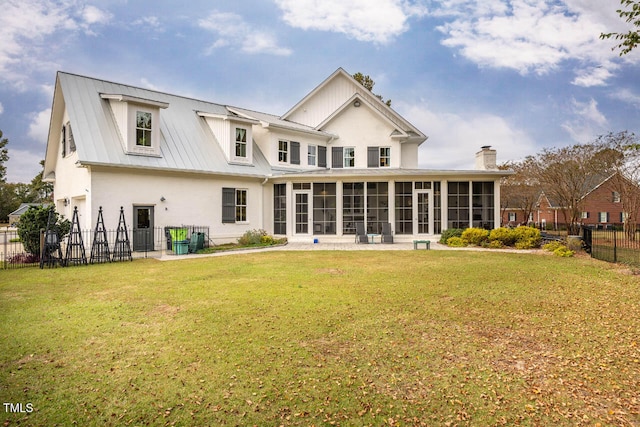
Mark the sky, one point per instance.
(519, 75)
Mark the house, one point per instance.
(14, 216)
(601, 206)
(338, 157)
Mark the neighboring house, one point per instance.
(14, 216)
(338, 157)
(545, 214)
(602, 206)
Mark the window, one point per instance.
(352, 206)
(615, 197)
(279, 209)
(377, 206)
(349, 156)
(404, 208)
(295, 153)
(324, 208)
(143, 129)
(68, 144)
(458, 201)
(234, 205)
(385, 157)
(603, 216)
(584, 215)
(512, 217)
(483, 206)
(283, 151)
(241, 142)
(322, 156)
(311, 155)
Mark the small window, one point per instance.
(349, 157)
(603, 216)
(385, 157)
(512, 217)
(311, 155)
(615, 197)
(302, 186)
(283, 151)
(584, 215)
(143, 129)
(241, 142)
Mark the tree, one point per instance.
(629, 40)
(368, 83)
(521, 190)
(4, 156)
(34, 220)
(40, 191)
(568, 174)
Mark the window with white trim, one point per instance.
(311, 155)
(234, 205)
(283, 151)
(512, 217)
(615, 197)
(603, 216)
(143, 129)
(385, 157)
(241, 142)
(349, 157)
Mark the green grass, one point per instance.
(324, 338)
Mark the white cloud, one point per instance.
(626, 95)
(22, 165)
(359, 19)
(29, 31)
(587, 121)
(454, 139)
(39, 127)
(232, 30)
(532, 36)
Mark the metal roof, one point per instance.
(187, 143)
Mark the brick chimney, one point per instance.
(486, 159)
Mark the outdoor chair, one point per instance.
(386, 237)
(361, 233)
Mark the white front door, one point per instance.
(423, 212)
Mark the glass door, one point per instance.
(423, 215)
(302, 212)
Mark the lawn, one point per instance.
(323, 338)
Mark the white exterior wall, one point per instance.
(189, 200)
(72, 183)
(267, 140)
(409, 157)
(371, 131)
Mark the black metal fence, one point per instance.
(613, 244)
(143, 243)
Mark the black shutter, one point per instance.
(373, 157)
(64, 140)
(322, 156)
(336, 157)
(295, 153)
(228, 205)
(72, 142)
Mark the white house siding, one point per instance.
(267, 140)
(190, 199)
(371, 131)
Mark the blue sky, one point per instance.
(519, 75)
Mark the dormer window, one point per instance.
(138, 120)
(143, 129)
(241, 142)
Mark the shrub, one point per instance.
(552, 246)
(505, 236)
(35, 219)
(24, 258)
(252, 237)
(452, 232)
(267, 240)
(475, 236)
(563, 251)
(456, 242)
(495, 244)
(527, 237)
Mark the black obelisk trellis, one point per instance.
(75, 246)
(51, 252)
(100, 247)
(122, 248)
